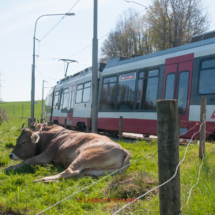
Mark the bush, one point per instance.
(3, 116)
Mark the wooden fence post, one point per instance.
(88, 125)
(120, 127)
(65, 123)
(203, 128)
(168, 156)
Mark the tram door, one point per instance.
(71, 101)
(177, 84)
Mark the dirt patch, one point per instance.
(131, 185)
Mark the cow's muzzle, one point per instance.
(13, 156)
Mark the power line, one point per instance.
(59, 21)
(136, 3)
(107, 33)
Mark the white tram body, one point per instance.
(130, 87)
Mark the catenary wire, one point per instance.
(59, 21)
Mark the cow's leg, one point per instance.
(43, 158)
(72, 171)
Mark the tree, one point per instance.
(167, 24)
(130, 37)
(3, 116)
(174, 22)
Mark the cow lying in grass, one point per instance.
(79, 153)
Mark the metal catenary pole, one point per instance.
(95, 71)
(168, 156)
(203, 128)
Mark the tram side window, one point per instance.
(57, 98)
(108, 93)
(71, 103)
(147, 90)
(126, 91)
(83, 92)
(170, 84)
(79, 93)
(64, 100)
(86, 94)
(207, 77)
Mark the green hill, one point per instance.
(22, 109)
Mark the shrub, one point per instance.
(3, 116)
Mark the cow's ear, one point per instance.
(35, 138)
(38, 127)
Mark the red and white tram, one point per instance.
(130, 87)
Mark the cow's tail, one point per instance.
(126, 162)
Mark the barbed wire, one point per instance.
(95, 183)
(165, 181)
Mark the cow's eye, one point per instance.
(23, 142)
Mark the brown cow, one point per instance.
(79, 153)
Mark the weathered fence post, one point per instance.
(168, 156)
(120, 127)
(88, 125)
(203, 128)
(65, 123)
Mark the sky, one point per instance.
(66, 40)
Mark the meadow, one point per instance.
(20, 195)
(22, 109)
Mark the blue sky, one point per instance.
(17, 20)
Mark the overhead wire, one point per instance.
(59, 21)
(106, 34)
(53, 28)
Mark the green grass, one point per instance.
(22, 109)
(19, 195)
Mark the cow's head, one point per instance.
(25, 145)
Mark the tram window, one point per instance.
(126, 92)
(147, 90)
(83, 92)
(79, 93)
(57, 98)
(108, 93)
(208, 64)
(86, 94)
(207, 77)
(64, 100)
(170, 84)
(182, 92)
(71, 103)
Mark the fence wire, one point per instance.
(167, 180)
(95, 183)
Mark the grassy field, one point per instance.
(22, 109)
(19, 195)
